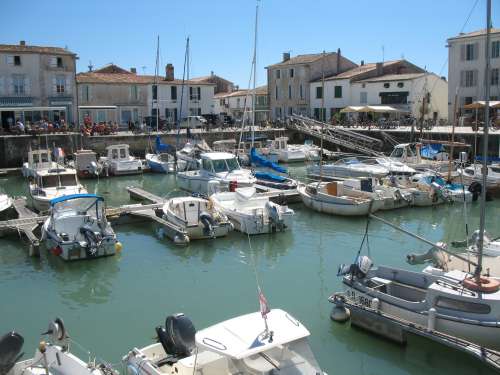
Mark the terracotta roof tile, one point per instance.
(17, 48)
(475, 33)
(354, 72)
(128, 78)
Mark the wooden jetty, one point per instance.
(396, 329)
(25, 225)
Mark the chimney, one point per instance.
(379, 69)
(22, 43)
(339, 55)
(169, 72)
(286, 56)
(212, 73)
(133, 70)
(362, 62)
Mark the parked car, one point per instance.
(193, 122)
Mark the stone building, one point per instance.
(36, 83)
(234, 103)
(288, 81)
(466, 68)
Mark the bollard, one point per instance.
(375, 304)
(431, 320)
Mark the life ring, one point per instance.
(485, 284)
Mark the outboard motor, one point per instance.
(93, 240)
(177, 337)
(359, 269)
(208, 224)
(476, 189)
(275, 217)
(434, 255)
(10, 351)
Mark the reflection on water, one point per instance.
(214, 280)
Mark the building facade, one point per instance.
(36, 83)
(466, 69)
(234, 103)
(118, 95)
(397, 83)
(288, 81)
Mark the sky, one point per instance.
(221, 31)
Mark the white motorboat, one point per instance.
(473, 173)
(253, 214)
(197, 216)
(5, 205)
(451, 302)
(161, 163)
(48, 184)
(222, 167)
(410, 154)
(188, 157)
(77, 228)
(286, 153)
(348, 167)
(312, 151)
(119, 161)
(86, 164)
(424, 194)
(241, 345)
(332, 198)
(452, 192)
(51, 358)
(39, 160)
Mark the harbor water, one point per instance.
(110, 305)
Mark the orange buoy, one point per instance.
(485, 284)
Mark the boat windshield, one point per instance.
(52, 181)
(225, 165)
(82, 206)
(398, 152)
(293, 358)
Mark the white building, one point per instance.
(398, 83)
(234, 103)
(36, 83)
(466, 68)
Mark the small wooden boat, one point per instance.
(332, 198)
(197, 216)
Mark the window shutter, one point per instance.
(474, 78)
(2, 86)
(27, 85)
(462, 52)
(67, 81)
(462, 78)
(199, 93)
(9, 60)
(476, 51)
(11, 84)
(54, 85)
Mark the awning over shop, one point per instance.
(371, 108)
(13, 109)
(481, 103)
(97, 107)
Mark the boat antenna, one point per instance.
(480, 243)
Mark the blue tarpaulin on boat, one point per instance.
(269, 176)
(431, 150)
(260, 161)
(162, 147)
(490, 159)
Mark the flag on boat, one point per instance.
(58, 153)
(264, 307)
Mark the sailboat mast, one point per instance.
(485, 143)
(254, 71)
(322, 115)
(156, 82)
(188, 88)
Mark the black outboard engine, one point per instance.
(208, 224)
(93, 241)
(10, 351)
(177, 337)
(476, 189)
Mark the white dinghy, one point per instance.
(197, 216)
(251, 213)
(77, 228)
(242, 345)
(5, 205)
(332, 198)
(51, 358)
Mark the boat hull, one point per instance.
(194, 182)
(484, 335)
(74, 250)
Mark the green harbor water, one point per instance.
(112, 304)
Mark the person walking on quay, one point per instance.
(19, 126)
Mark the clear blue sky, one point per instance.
(124, 32)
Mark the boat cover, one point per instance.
(260, 161)
(269, 176)
(431, 150)
(163, 147)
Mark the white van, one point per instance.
(193, 122)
